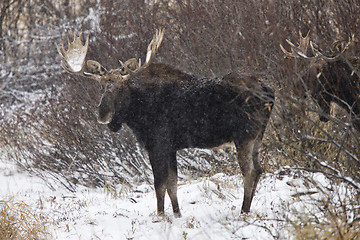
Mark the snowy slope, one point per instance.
(210, 208)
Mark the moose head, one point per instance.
(170, 110)
(333, 78)
(73, 61)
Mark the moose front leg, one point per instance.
(251, 169)
(165, 178)
(160, 171)
(160, 190)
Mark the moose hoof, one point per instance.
(177, 215)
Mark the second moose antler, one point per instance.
(302, 48)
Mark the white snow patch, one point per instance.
(211, 208)
(94, 18)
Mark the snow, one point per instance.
(94, 19)
(210, 208)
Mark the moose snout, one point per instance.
(105, 113)
(106, 109)
(105, 119)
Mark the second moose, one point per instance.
(328, 79)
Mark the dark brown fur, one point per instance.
(335, 82)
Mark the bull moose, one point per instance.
(333, 78)
(169, 110)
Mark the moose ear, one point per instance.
(131, 64)
(95, 68)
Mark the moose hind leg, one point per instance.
(251, 169)
(172, 186)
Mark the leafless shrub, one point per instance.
(54, 137)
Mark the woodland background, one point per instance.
(48, 117)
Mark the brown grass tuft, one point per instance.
(18, 221)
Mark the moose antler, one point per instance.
(151, 51)
(301, 49)
(341, 48)
(73, 60)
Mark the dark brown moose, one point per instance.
(333, 78)
(170, 110)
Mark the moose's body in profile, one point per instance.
(170, 110)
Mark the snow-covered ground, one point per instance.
(210, 208)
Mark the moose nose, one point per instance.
(106, 119)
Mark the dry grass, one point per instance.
(334, 225)
(18, 221)
(335, 215)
